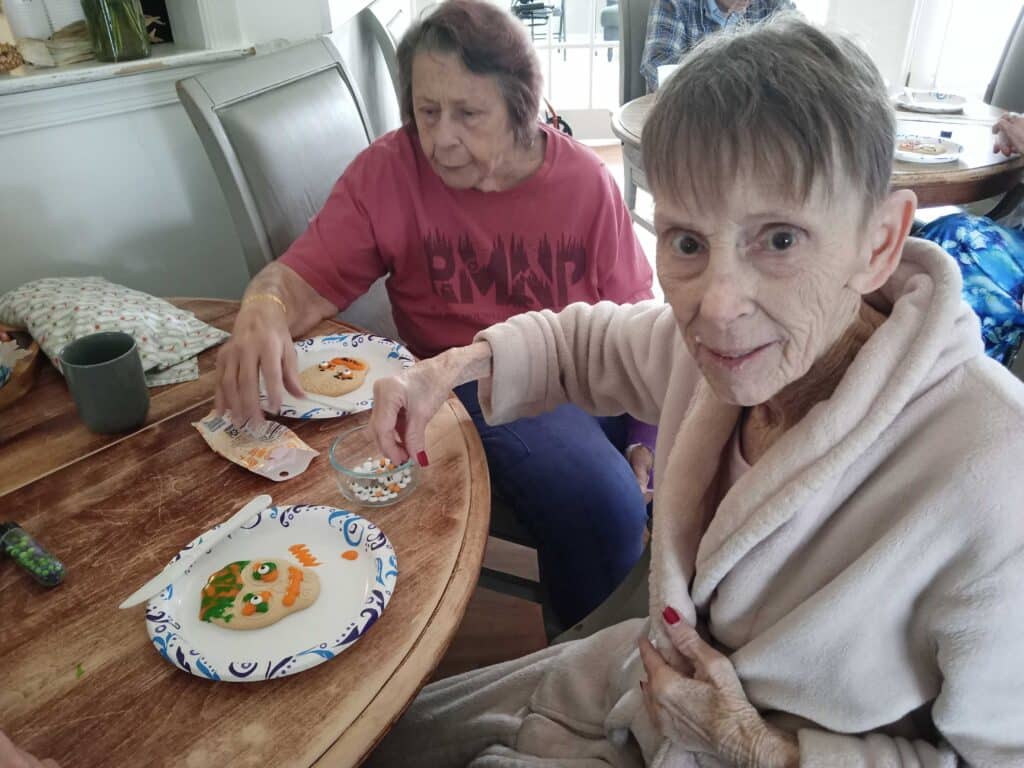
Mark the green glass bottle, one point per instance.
(117, 29)
(44, 567)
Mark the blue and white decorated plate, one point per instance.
(913, 148)
(932, 102)
(356, 568)
(385, 357)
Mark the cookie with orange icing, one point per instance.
(921, 147)
(335, 377)
(250, 594)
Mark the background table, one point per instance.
(80, 680)
(980, 173)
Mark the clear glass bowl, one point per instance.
(364, 476)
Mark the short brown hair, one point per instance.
(489, 41)
(782, 99)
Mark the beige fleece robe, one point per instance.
(866, 574)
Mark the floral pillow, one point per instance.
(58, 310)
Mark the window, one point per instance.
(578, 45)
(958, 44)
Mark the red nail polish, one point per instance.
(421, 457)
(670, 615)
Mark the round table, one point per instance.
(81, 681)
(980, 173)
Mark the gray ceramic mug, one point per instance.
(104, 374)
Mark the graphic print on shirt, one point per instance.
(459, 275)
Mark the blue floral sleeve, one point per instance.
(991, 259)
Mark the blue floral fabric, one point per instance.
(991, 259)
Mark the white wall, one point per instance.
(6, 36)
(264, 20)
(957, 48)
(885, 29)
(130, 197)
(123, 189)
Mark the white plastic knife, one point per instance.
(210, 539)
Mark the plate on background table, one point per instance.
(931, 102)
(912, 148)
(355, 565)
(385, 357)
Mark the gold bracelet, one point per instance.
(265, 297)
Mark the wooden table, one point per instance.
(79, 679)
(980, 173)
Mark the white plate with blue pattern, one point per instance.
(385, 357)
(357, 570)
(931, 102)
(912, 148)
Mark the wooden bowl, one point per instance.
(24, 374)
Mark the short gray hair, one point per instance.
(784, 100)
(489, 41)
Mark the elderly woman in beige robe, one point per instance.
(838, 549)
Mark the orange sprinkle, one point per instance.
(303, 555)
(350, 554)
(294, 585)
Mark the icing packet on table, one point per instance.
(270, 449)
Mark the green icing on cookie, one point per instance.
(220, 592)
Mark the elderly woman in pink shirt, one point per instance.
(475, 212)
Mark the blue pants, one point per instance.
(569, 485)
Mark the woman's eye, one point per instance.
(687, 245)
(781, 240)
(467, 113)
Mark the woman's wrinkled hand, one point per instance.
(403, 405)
(641, 461)
(12, 757)
(701, 704)
(1009, 132)
(259, 342)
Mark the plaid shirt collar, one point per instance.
(675, 26)
(722, 18)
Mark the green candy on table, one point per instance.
(23, 549)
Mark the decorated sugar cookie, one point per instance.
(335, 377)
(921, 147)
(249, 594)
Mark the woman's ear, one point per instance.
(888, 230)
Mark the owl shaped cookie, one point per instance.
(250, 594)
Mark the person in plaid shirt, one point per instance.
(675, 26)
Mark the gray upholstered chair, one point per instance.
(609, 19)
(368, 49)
(1006, 90)
(279, 130)
(633, 30)
(633, 34)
